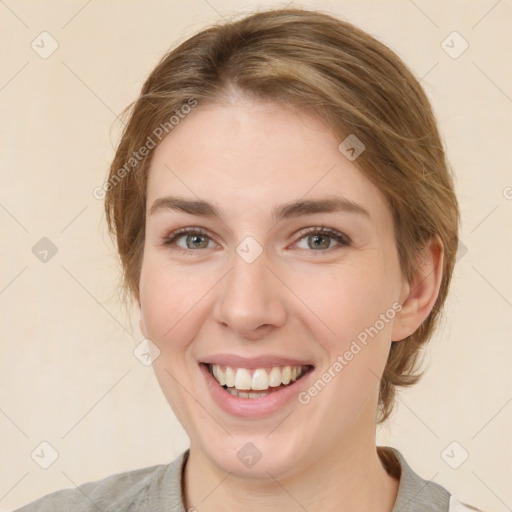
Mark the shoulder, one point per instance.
(415, 493)
(137, 490)
(115, 492)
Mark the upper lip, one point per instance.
(265, 361)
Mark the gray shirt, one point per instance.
(158, 489)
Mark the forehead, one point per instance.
(255, 154)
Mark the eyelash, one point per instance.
(343, 240)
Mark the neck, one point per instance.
(348, 479)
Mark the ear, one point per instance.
(420, 293)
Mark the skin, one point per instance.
(246, 157)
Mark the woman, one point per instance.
(287, 224)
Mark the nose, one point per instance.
(251, 300)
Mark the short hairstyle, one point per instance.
(312, 62)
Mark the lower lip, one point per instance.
(253, 407)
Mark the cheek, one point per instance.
(167, 298)
(347, 300)
(172, 299)
(163, 299)
(157, 308)
(357, 307)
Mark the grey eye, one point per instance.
(193, 241)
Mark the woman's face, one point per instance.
(263, 286)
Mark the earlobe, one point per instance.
(421, 291)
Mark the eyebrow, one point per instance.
(330, 204)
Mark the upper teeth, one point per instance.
(241, 378)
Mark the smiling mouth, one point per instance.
(256, 383)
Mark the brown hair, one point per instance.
(310, 61)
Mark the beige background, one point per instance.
(68, 373)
